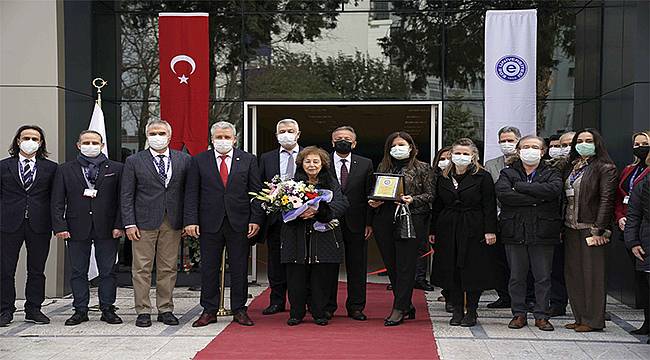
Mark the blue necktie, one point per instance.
(161, 168)
(28, 175)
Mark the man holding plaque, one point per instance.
(355, 175)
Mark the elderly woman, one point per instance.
(312, 257)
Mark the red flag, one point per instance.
(184, 76)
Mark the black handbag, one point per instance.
(404, 228)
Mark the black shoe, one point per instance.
(109, 316)
(6, 318)
(389, 287)
(389, 322)
(643, 330)
(293, 321)
(554, 312)
(410, 315)
(77, 318)
(37, 317)
(470, 319)
(358, 315)
(321, 322)
(499, 304)
(273, 309)
(143, 320)
(423, 285)
(328, 315)
(456, 318)
(449, 307)
(167, 318)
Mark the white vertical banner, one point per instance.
(510, 74)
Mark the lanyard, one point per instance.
(529, 178)
(632, 178)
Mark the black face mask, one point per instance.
(641, 152)
(343, 146)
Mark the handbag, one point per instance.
(404, 228)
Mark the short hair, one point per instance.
(554, 137)
(529, 137)
(346, 128)
(287, 121)
(510, 129)
(162, 122)
(223, 125)
(14, 149)
(310, 150)
(101, 138)
(566, 135)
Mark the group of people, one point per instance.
(532, 224)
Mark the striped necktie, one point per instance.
(161, 168)
(28, 174)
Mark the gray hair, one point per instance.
(287, 121)
(570, 134)
(223, 125)
(162, 122)
(346, 128)
(510, 129)
(529, 137)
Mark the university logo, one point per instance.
(511, 68)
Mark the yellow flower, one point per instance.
(285, 200)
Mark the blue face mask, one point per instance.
(586, 149)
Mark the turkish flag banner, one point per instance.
(184, 78)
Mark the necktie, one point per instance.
(161, 168)
(344, 173)
(223, 170)
(291, 166)
(91, 174)
(28, 174)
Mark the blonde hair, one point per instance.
(451, 169)
(566, 135)
(647, 158)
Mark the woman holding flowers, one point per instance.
(312, 244)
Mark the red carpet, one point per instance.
(343, 338)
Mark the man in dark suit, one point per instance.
(86, 211)
(219, 212)
(25, 189)
(153, 191)
(281, 162)
(355, 175)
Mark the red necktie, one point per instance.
(223, 170)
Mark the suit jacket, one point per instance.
(77, 214)
(357, 190)
(144, 198)
(494, 167)
(208, 202)
(15, 200)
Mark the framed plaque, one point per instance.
(388, 187)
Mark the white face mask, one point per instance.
(287, 139)
(90, 151)
(400, 152)
(442, 164)
(508, 148)
(223, 146)
(461, 160)
(566, 150)
(158, 142)
(29, 146)
(530, 156)
(555, 152)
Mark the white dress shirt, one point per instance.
(284, 160)
(338, 163)
(21, 165)
(228, 159)
(166, 160)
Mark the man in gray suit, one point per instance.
(508, 138)
(153, 191)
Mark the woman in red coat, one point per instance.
(632, 175)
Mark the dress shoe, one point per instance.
(167, 318)
(449, 307)
(143, 320)
(273, 309)
(410, 315)
(358, 315)
(518, 322)
(205, 319)
(321, 322)
(643, 330)
(77, 318)
(544, 325)
(6, 318)
(293, 321)
(389, 287)
(585, 328)
(242, 318)
(557, 311)
(423, 285)
(571, 326)
(457, 318)
(328, 315)
(470, 319)
(109, 316)
(37, 317)
(499, 304)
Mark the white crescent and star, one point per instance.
(178, 58)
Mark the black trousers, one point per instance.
(211, 250)
(559, 297)
(524, 259)
(38, 248)
(310, 283)
(277, 272)
(421, 224)
(79, 255)
(502, 263)
(356, 265)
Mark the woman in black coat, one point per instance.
(464, 227)
(312, 257)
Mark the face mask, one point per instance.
(461, 160)
(343, 146)
(586, 149)
(223, 146)
(287, 139)
(29, 146)
(566, 151)
(641, 152)
(442, 164)
(530, 156)
(91, 151)
(158, 142)
(400, 152)
(555, 152)
(508, 148)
